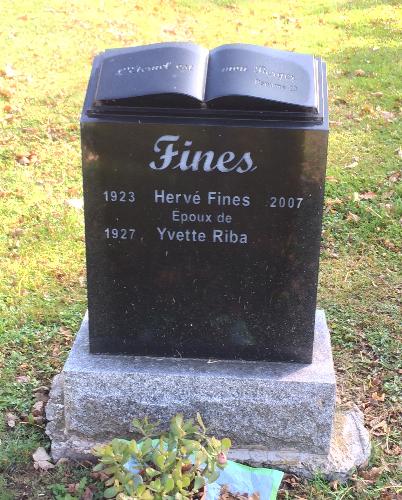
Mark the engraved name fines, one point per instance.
(173, 157)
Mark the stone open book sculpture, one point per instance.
(237, 76)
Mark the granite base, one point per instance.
(277, 414)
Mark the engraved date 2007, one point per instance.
(284, 202)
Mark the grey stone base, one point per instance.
(276, 414)
(349, 449)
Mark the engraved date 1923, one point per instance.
(119, 196)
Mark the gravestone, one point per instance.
(203, 190)
(203, 219)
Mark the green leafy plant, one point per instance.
(60, 492)
(171, 465)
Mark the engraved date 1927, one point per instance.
(122, 233)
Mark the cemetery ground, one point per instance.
(45, 58)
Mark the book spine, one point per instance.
(205, 76)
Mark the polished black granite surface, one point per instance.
(202, 233)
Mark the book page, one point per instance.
(250, 77)
(163, 74)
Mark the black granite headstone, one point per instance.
(203, 188)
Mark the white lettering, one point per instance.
(217, 198)
(226, 162)
(161, 196)
(183, 217)
(228, 236)
(169, 151)
(187, 235)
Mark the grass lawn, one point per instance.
(45, 58)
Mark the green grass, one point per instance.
(16, 447)
(50, 46)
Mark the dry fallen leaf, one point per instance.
(99, 476)
(41, 455)
(360, 485)
(66, 332)
(353, 163)
(330, 204)
(333, 201)
(394, 176)
(73, 487)
(226, 494)
(389, 245)
(11, 419)
(369, 195)
(18, 231)
(41, 394)
(333, 254)
(22, 160)
(377, 423)
(38, 409)
(367, 109)
(372, 474)
(88, 494)
(395, 451)
(8, 71)
(380, 429)
(378, 397)
(334, 485)
(42, 388)
(27, 158)
(7, 93)
(339, 100)
(8, 118)
(351, 217)
(169, 30)
(42, 459)
(291, 480)
(377, 94)
(387, 115)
